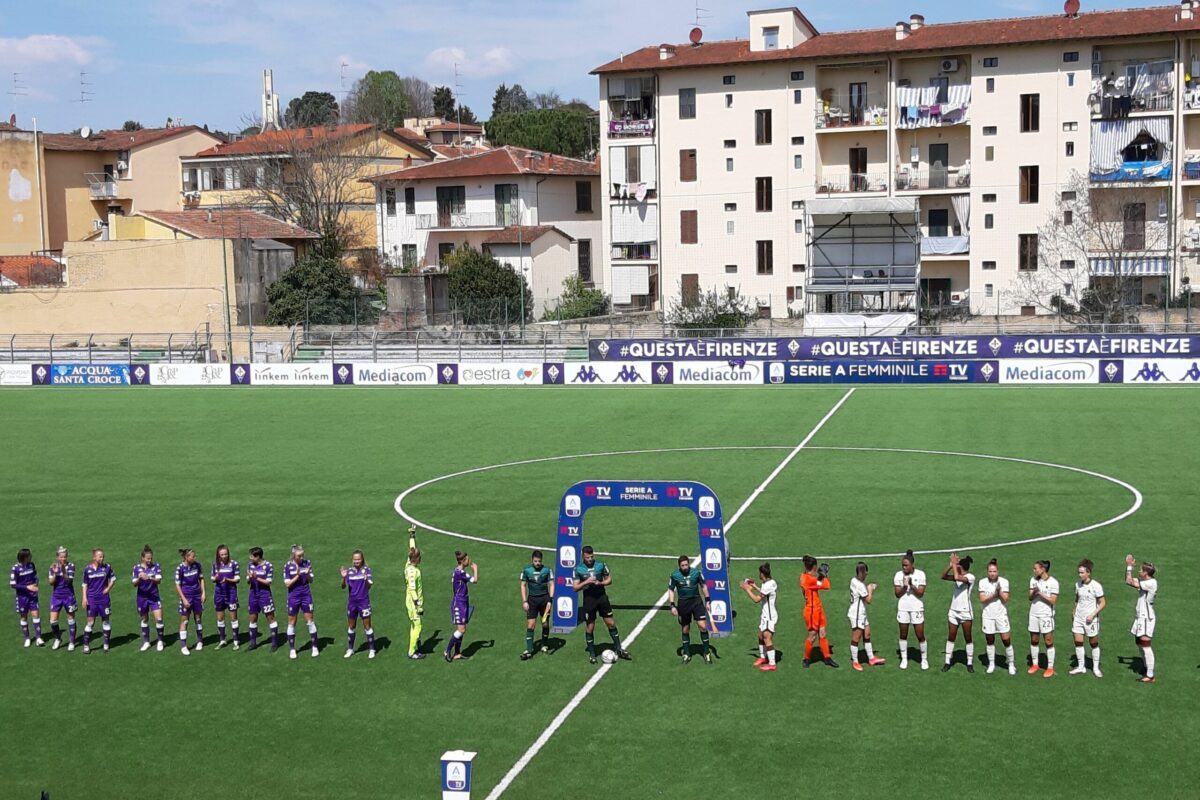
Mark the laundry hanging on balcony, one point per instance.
(1110, 138)
(919, 107)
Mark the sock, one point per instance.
(590, 640)
(55, 631)
(350, 638)
(312, 634)
(199, 632)
(771, 656)
(291, 634)
(991, 655)
(1033, 655)
(924, 652)
(1079, 657)
(370, 632)
(107, 632)
(687, 644)
(457, 639)
(853, 654)
(146, 632)
(970, 652)
(546, 633)
(37, 627)
(235, 630)
(161, 630)
(1148, 656)
(704, 641)
(221, 630)
(182, 638)
(1008, 654)
(1096, 658)
(25, 629)
(1049, 658)
(414, 636)
(870, 649)
(949, 651)
(825, 648)
(528, 640)
(253, 633)
(87, 635)
(762, 651)
(904, 651)
(274, 633)
(808, 649)
(616, 637)
(71, 630)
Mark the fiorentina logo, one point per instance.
(995, 344)
(1111, 370)
(553, 372)
(793, 347)
(343, 373)
(987, 370)
(602, 349)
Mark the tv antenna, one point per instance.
(701, 15)
(19, 89)
(85, 96)
(457, 104)
(344, 92)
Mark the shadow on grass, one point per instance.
(474, 647)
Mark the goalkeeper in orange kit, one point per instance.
(814, 581)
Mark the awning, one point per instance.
(862, 205)
(1146, 265)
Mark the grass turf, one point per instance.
(271, 467)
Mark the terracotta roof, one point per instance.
(457, 151)
(31, 270)
(501, 161)
(454, 126)
(4, 126)
(411, 136)
(284, 141)
(523, 234)
(234, 223)
(104, 141)
(1160, 20)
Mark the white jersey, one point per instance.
(1147, 589)
(1087, 598)
(994, 609)
(858, 603)
(960, 604)
(909, 600)
(1048, 587)
(769, 614)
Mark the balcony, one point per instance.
(102, 186)
(1120, 89)
(1135, 172)
(852, 183)
(457, 220)
(823, 280)
(932, 106)
(940, 246)
(836, 112)
(630, 127)
(643, 251)
(945, 178)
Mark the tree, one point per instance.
(467, 116)
(510, 100)
(578, 301)
(312, 109)
(443, 102)
(420, 95)
(317, 291)
(132, 125)
(379, 98)
(1087, 248)
(551, 130)
(548, 99)
(710, 310)
(484, 290)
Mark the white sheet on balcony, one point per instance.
(862, 205)
(1111, 136)
(945, 245)
(629, 281)
(858, 324)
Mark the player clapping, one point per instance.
(225, 577)
(993, 596)
(1089, 603)
(1143, 619)
(909, 585)
(861, 595)
(962, 613)
(23, 579)
(259, 575)
(764, 594)
(298, 577)
(357, 581)
(814, 581)
(62, 598)
(537, 595)
(147, 575)
(689, 601)
(1043, 597)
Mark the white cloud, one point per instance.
(49, 49)
(492, 61)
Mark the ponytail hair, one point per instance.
(147, 550)
(459, 555)
(764, 569)
(1149, 567)
(965, 562)
(994, 563)
(1087, 564)
(217, 554)
(184, 551)
(358, 553)
(414, 555)
(1045, 562)
(860, 570)
(909, 557)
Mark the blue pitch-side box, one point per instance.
(456, 774)
(696, 497)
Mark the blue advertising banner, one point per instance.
(84, 375)
(898, 347)
(696, 497)
(782, 372)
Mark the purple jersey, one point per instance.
(300, 590)
(263, 570)
(188, 577)
(358, 582)
(22, 577)
(147, 582)
(64, 582)
(462, 580)
(224, 578)
(97, 579)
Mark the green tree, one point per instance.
(379, 98)
(312, 109)
(484, 290)
(132, 125)
(510, 100)
(316, 290)
(443, 102)
(578, 301)
(551, 130)
(709, 311)
(467, 116)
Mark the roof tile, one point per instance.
(500, 161)
(233, 223)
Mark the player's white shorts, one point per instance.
(1143, 627)
(1039, 624)
(858, 621)
(768, 624)
(958, 618)
(994, 625)
(910, 617)
(1081, 627)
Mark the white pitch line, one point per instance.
(501, 787)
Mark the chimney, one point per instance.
(529, 160)
(210, 216)
(407, 162)
(666, 51)
(901, 31)
(1185, 9)
(916, 22)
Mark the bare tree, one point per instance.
(1090, 256)
(420, 95)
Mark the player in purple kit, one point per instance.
(225, 576)
(357, 580)
(461, 609)
(24, 581)
(189, 585)
(147, 575)
(259, 575)
(62, 598)
(297, 577)
(98, 580)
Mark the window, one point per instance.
(762, 126)
(585, 260)
(991, 85)
(797, 268)
(1135, 226)
(764, 257)
(1070, 126)
(1070, 79)
(989, 221)
(939, 222)
(1068, 216)
(989, 153)
(444, 249)
(687, 103)
(1030, 113)
(389, 201)
(506, 204)
(730, 144)
(989, 130)
(1066, 263)
(989, 198)
(771, 38)
(989, 265)
(689, 232)
(450, 200)
(635, 252)
(797, 161)
(410, 201)
(729, 80)
(991, 62)
(1070, 149)
(729, 165)
(583, 197)
(1027, 252)
(796, 96)
(687, 166)
(408, 255)
(1071, 57)
(987, 290)
(798, 226)
(1028, 311)
(689, 285)
(729, 101)
(799, 204)
(633, 165)
(1068, 197)
(1029, 184)
(731, 206)
(762, 194)
(797, 75)
(797, 140)
(731, 269)
(730, 228)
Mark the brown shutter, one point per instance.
(687, 166)
(689, 232)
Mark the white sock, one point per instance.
(904, 650)
(762, 651)
(87, 628)
(970, 652)
(199, 631)
(853, 654)
(106, 627)
(991, 654)
(291, 630)
(1079, 657)
(924, 651)
(1008, 654)
(870, 650)
(949, 651)
(253, 626)
(1049, 658)
(349, 631)
(771, 656)
(235, 626)
(1148, 655)
(312, 629)
(1096, 658)
(274, 627)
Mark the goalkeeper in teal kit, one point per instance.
(689, 601)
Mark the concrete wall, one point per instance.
(21, 198)
(153, 180)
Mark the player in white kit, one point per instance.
(1143, 619)
(1085, 621)
(764, 595)
(909, 585)
(993, 596)
(962, 613)
(861, 595)
(1043, 597)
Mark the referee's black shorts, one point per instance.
(537, 606)
(596, 606)
(691, 608)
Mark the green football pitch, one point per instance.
(271, 467)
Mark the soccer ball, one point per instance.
(609, 656)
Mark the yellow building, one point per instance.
(276, 171)
(22, 198)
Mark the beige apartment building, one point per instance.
(805, 168)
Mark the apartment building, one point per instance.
(960, 141)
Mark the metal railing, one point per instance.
(483, 344)
(852, 182)
(954, 177)
(125, 348)
(846, 111)
(461, 219)
(102, 186)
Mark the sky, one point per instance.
(202, 60)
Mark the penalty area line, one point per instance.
(517, 768)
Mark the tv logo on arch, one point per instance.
(713, 558)
(572, 505)
(566, 556)
(708, 507)
(566, 609)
